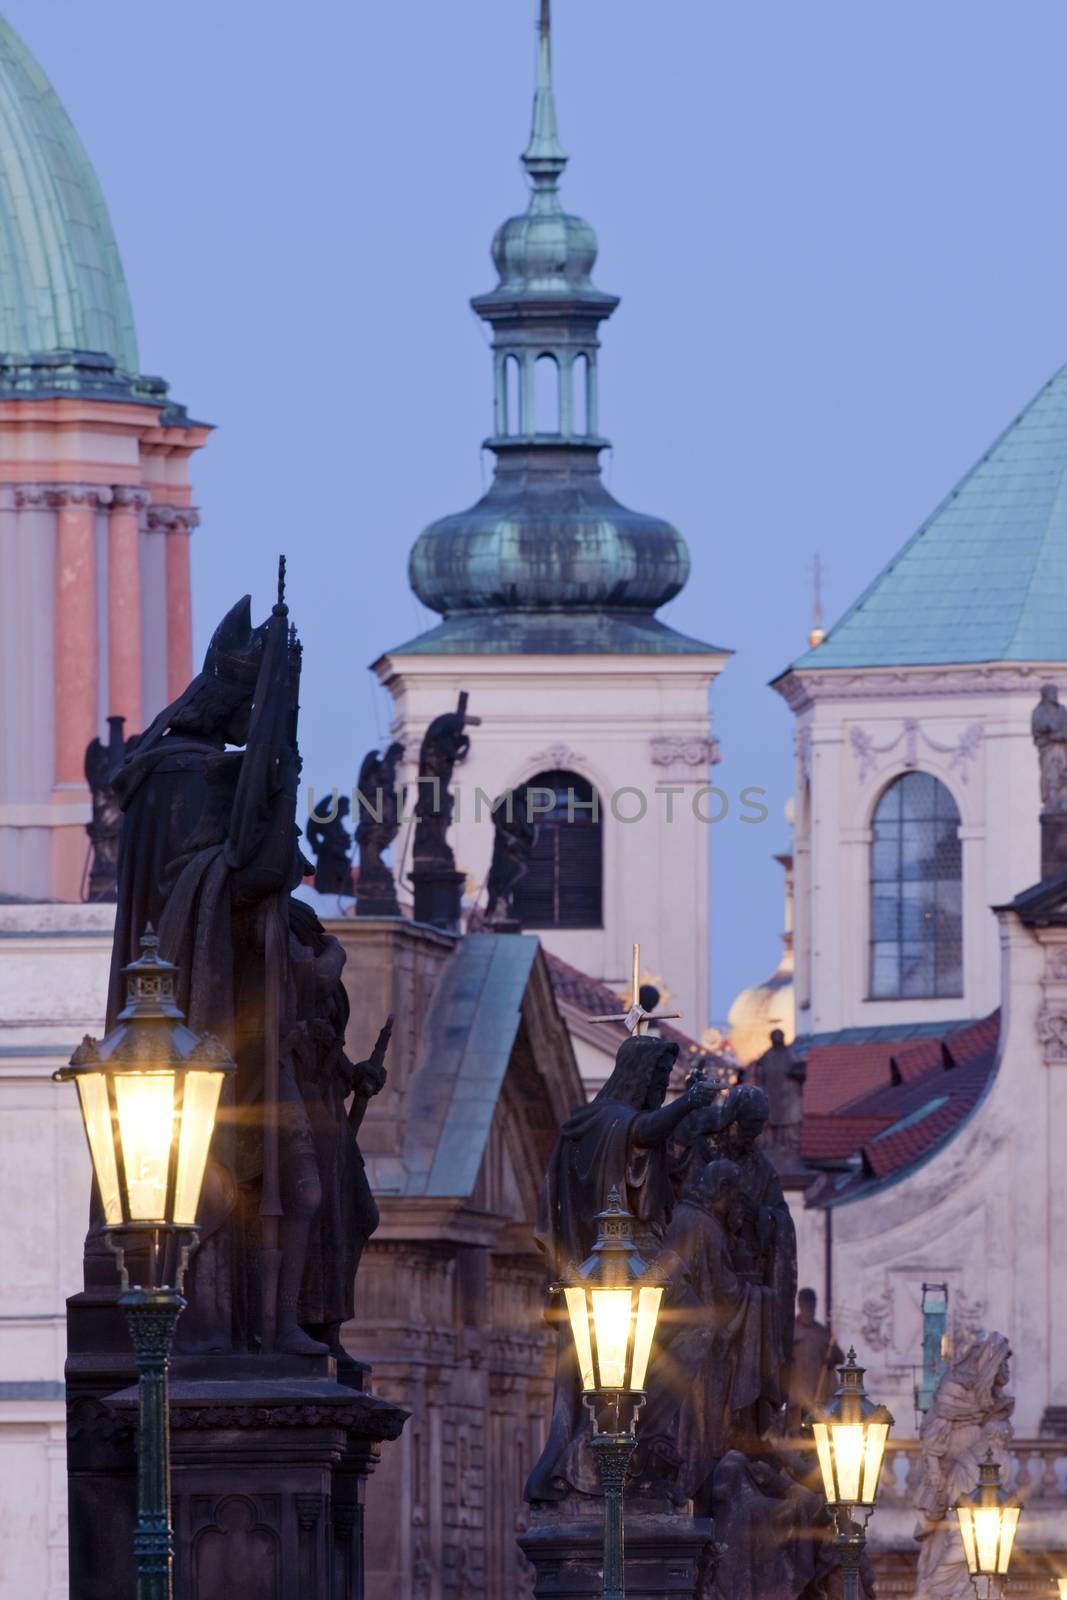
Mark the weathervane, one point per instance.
(637, 1018)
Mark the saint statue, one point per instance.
(378, 825)
(621, 1140)
(514, 836)
(328, 841)
(816, 1355)
(209, 856)
(436, 882)
(781, 1076)
(102, 762)
(1049, 728)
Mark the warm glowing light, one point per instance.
(648, 1300)
(873, 1456)
(579, 1315)
(611, 1322)
(848, 1459)
(851, 1435)
(200, 1102)
(145, 1105)
(988, 1523)
(1061, 1584)
(96, 1114)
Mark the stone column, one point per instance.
(77, 672)
(124, 608)
(179, 600)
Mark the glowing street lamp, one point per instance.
(851, 1434)
(613, 1304)
(988, 1522)
(149, 1092)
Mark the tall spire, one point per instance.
(545, 158)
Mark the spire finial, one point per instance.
(818, 632)
(544, 159)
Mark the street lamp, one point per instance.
(613, 1304)
(851, 1434)
(988, 1522)
(148, 1092)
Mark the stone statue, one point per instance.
(781, 1077)
(436, 882)
(329, 842)
(816, 1356)
(1049, 728)
(621, 1140)
(970, 1414)
(102, 762)
(377, 827)
(209, 855)
(514, 836)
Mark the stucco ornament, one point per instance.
(970, 1414)
(877, 1329)
(1052, 1031)
(1049, 728)
(960, 754)
(684, 756)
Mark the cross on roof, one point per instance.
(636, 1020)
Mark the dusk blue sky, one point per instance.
(839, 231)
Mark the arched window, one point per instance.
(546, 395)
(916, 892)
(581, 395)
(512, 401)
(563, 887)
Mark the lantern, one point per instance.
(149, 1092)
(988, 1521)
(613, 1308)
(851, 1434)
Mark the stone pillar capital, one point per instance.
(128, 494)
(58, 496)
(172, 519)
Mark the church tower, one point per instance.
(548, 590)
(95, 509)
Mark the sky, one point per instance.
(839, 230)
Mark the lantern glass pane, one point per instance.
(826, 1461)
(200, 1100)
(967, 1536)
(579, 1315)
(848, 1459)
(96, 1114)
(1010, 1523)
(611, 1323)
(648, 1300)
(987, 1536)
(1061, 1584)
(873, 1455)
(145, 1103)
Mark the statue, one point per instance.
(781, 1077)
(514, 836)
(331, 846)
(1049, 728)
(621, 1140)
(101, 764)
(436, 882)
(378, 826)
(816, 1355)
(970, 1414)
(209, 855)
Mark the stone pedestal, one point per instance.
(666, 1554)
(269, 1462)
(438, 894)
(376, 894)
(1053, 844)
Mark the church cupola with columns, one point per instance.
(95, 502)
(547, 590)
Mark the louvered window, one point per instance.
(563, 887)
(916, 892)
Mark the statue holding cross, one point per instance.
(637, 1019)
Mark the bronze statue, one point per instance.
(209, 855)
(514, 836)
(1049, 728)
(378, 802)
(328, 840)
(102, 763)
(622, 1140)
(436, 882)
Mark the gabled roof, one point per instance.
(985, 579)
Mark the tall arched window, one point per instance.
(916, 891)
(512, 396)
(564, 885)
(546, 395)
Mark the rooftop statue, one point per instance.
(780, 1074)
(331, 846)
(970, 1414)
(377, 827)
(1049, 727)
(514, 836)
(436, 882)
(102, 763)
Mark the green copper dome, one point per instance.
(62, 290)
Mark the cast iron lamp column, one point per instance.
(613, 1305)
(851, 1434)
(148, 1093)
(988, 1523)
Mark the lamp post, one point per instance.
(613, 1304)
(851, 1434)
(148, 1093)
(988, 1522)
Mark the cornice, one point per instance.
(801, 689)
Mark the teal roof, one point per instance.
(61, 281)
(555, 633)
(985, 579)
